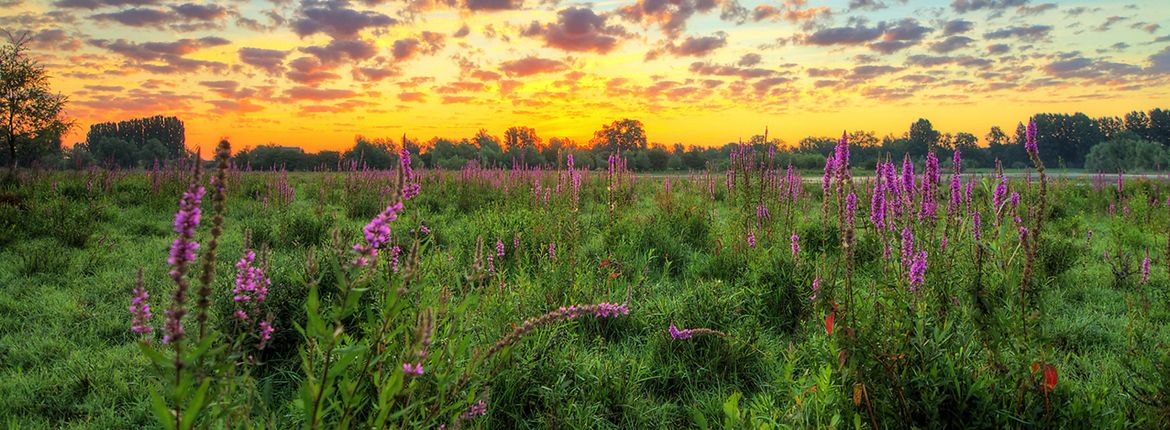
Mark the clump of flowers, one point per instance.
(687, 333)
(139, 309)
(377, 234)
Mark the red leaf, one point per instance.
(614, 275)
(1049, 377)
(1035, 367)
(603, 263)
(829, 322)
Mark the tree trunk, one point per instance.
(12, 155)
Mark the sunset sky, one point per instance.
(316, 73)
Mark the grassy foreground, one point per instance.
(966, 350)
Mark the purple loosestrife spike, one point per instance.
(415, 369)
(266, 330)
(1030, 138)
(877, 213)
(907, 175)
(186, 221)
(917, 273)
(850, 208)
(795, 244)
(1146, 268)
(500, 247)
(395, 252)
(841, 154)
(1014, 199)
(552, 251)
(677, 334)
(751, 239)
(825, 181)
(1000, 192)
(251, 282)
(409, 187)
(140, 311)
(976, 227)
(377, 233)
(816, 285)
(932, 173)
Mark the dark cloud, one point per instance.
(870, 72)
(885, 37)
(207, 12)
(1160, 62)
(309, 71)
(1086, 68)
(670, 15)
(791, 11)
(268, 60)
(338, 50)
(169, 53)
(318, 94)
(998, 48)
(963, 6)
(1030, 33)
(426, 43)
(931, 61)
(489, 5)
(952, 43)
(55, 40)
(374, 74)
(94, 4)
(531, 66)
(1037, 9)
(412, 96)
(136, 17)
(708, 69)
(698, 46)
(462, 32)
(870, 5)
(749, 60)
(1110, 21)
(957, 26)
(843, 36)
(1147, 27)
(336, 19)
(763, 86)
(578, 29)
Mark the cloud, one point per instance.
(490, 5)
(842, 36)
(578, 29)
(1160, 62)
(374, 74)
(94, 4)
(427, 42)
(1086, 68)
(749, 60)
(693, 46)
(1036, 10)
(670, 15)
(268, 60)
(529, 66)
(412, 96)
(957, 26)
(708, 69)
(932, 61)
(870, 5)
(318, 94)
(309, 71)
(462, 32)
(998, 48)
(1030, 33)
(339, 50)
(207, 12)
(55, 39)
(336, 19)
(964, 6)
(169, 53)
(791, 11)
(136, 17)
(952, 43)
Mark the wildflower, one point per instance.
(907, 175)
(841, 154)
(409, 188)
(850, 208)
(140, 311)
(677, 334)
(251, 282)
(186, 221)
(1014, 199)
(976, 227)
(816, 285)
(931, 178)
(1030, 138)
(552, 251)
(917, 273)
(415, 369)
(1000, 192)
(795, 244)
(751, 239)
(423, 229)
(877, 206)
(829, 164)
(479, 409)
(1146, 268)
(266, 330)
(377, 233)
(907, 246)
(395, 252)
(500, 246)
(762, 213)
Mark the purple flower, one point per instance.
(414, 369)
(677, 334)
(751, 239)
(907, 245)
(841, 154)
(917, 273)
(266, 330)
(251, 283)
(377, 233)
(1146, 268)
(850, 208)
(795, 244)
(500, 246)
(829, 165)
(907, 175)
(762, 213)
(409, 187)
(423, 229)
(816, 285)
(1014, 199)
(395, 252)
(931, 178)
(552, 251)
(976, 227)
(140, 312)
(877, 206)
(186, 221)
(1030, 138)
(479, 409)
(1000, 192)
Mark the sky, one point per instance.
(316, 73)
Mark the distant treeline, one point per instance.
(1136, 141)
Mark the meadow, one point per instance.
(916, 295)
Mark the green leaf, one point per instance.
(162, 411)
(198, 401)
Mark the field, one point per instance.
(757, 298)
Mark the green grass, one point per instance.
(69, 254)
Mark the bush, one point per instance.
(1127, 154)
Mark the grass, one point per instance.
(69, 252)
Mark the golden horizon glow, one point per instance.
(316, 73)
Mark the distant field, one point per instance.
(920, 316)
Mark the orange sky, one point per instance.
(315, 73)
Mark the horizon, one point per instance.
(316, 74)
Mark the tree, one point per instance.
(521, 138)
(1127, 153)
(28, 111)
(922, 137)
(624, 135)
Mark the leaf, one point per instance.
(161, 411)
(857, 394)
(196, 404)
(731, 407)
(699, 419)
(1050, 378)
(829, 322)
